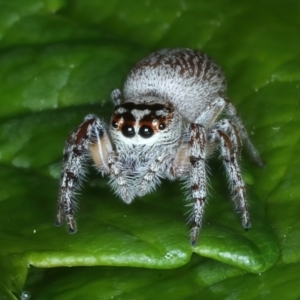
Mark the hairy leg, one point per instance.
(197, 178)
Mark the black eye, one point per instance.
(114, 124)
(128, 131)
(162, 126)
(146, 131)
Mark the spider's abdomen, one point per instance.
(187, 78)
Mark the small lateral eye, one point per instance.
(146, 132)
(114, 124)
(128, 131)
(162, 126)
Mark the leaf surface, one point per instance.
(59, 61)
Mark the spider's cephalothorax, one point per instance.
(165, 125)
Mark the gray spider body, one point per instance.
(165, 124)
(188, 79)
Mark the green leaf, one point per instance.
(13, 273)
(59, 61)
(200, 278)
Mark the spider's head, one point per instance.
(140, 124)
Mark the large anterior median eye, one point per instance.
(128, 131)
(146, 131)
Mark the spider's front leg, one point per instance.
(90, 138)
(199, 148)
(197, 154)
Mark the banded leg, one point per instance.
(231, 112)
(229, 127)
(76, 152)
(197, 178)
(236, 182)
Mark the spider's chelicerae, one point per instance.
(165, 124)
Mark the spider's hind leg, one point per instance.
(242, 132)
(225, 133)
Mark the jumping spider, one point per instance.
(165, 124)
